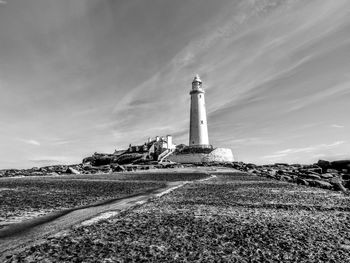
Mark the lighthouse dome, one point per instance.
(197, 79)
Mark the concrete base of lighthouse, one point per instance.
(221, 155)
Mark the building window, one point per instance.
(200, 96)
(201, 122)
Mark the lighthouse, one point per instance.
(198, 116)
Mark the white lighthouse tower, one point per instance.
(198, 118)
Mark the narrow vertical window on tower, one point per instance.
(201, 122)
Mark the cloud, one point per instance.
(273, 156)
(291, 153)
(337, 90)
(337, 126)
(310, 148)
(252, 141)
(30, 141)
(47, 160)
(63, 142)
(2, 2)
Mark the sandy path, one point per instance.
(16, 237)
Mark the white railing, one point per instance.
(165, 154)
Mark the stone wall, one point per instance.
(217, 155)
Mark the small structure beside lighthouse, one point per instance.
(198, 116)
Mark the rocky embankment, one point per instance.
(81, 169)
(97, 163)
(323, 174)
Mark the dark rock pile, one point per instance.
(323, 174)
(47, 170)
(97, 163)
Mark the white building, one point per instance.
(199, 150)
(198, 116)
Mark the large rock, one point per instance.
(341, 165)
(337, 184)
(324, 165)
(118, 168)
(302, 181)
(346, 176)
(310, 176)
(320, 184)
(327, 175)
(347, 184)
(313, 170)
(71, 170)
(102, 160)
(129, 158)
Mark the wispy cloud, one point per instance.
(308, 149)
(337, 126)
(273, 156)
(62, 142)
(252, 141)
(2, 2)
(314, 151)
(29, 141)
(337, 90)
(52, 159)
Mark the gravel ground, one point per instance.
(231, 218)
(26, 198)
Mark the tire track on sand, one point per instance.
(16, 237)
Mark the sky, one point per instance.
(85, 76)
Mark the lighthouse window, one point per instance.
(201, 122)
(200, 96)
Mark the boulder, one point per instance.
(52, 174)
(272, 172)
(324, 165)
(331, 170)
(327, 175)
(347, 184)
(71, 170)
(118, 168)
(320, 184)
(36, 173)
(281, 164)
(280, 172)
(129, 158)
(102, 160)
(346, 176)
(286, 178)
(313, 170)
(251, 166)
(341, 165)
(310, 176)
(89, 159)
(337, 184)
(302, 181)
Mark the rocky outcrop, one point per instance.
(341, 165)
(324, 174)
(129, 158)
(71, 170)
